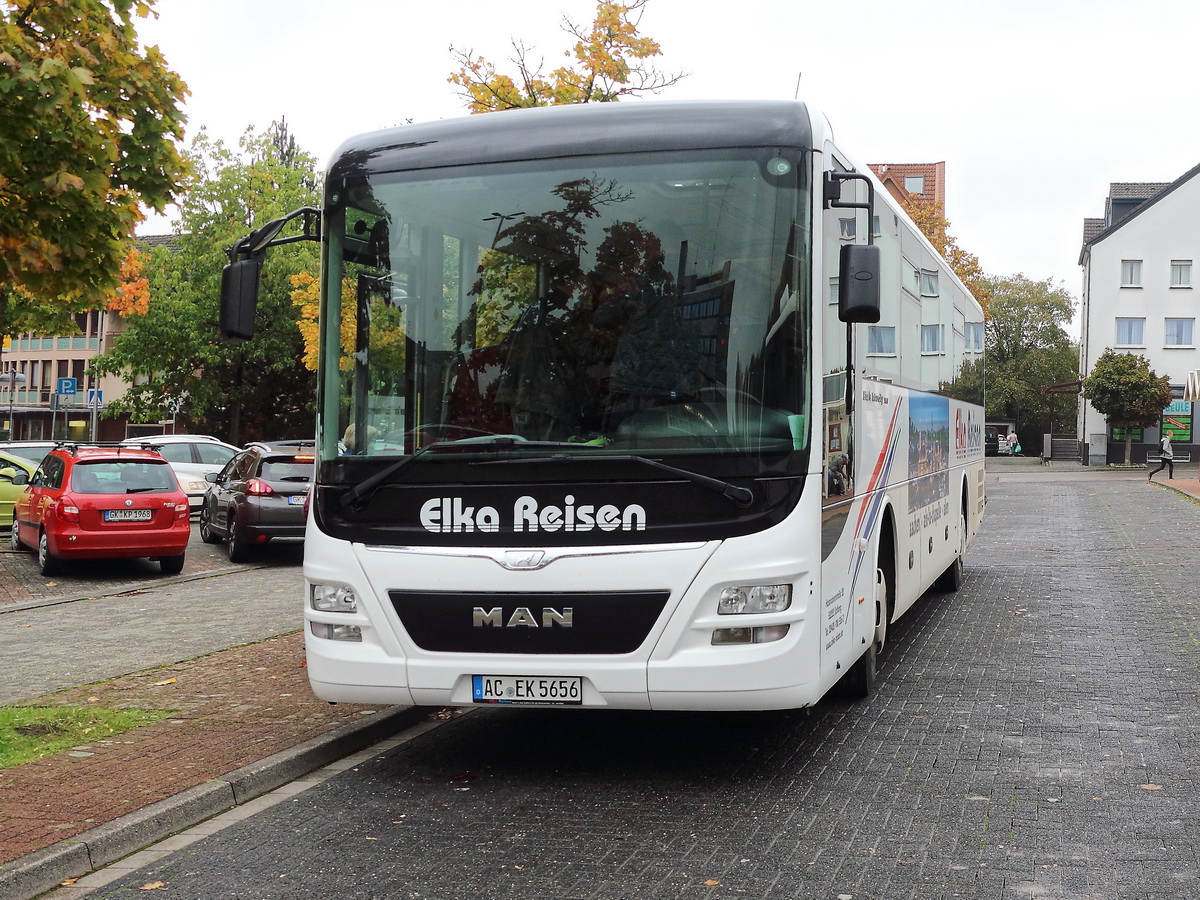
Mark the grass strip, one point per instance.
(31, 732)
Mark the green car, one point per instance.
(15, 473)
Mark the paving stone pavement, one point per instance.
(1034, 736)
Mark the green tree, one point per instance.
(1123, 387)
(90, 125)
(173, 354)
(1027, 350)
(609, 63)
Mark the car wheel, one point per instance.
(48, 563)
(172, 565)
(234, 545)
(17, 543)
(206, 530)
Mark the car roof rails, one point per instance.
(73, 447)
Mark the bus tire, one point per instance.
(859, 680)
(952, 579)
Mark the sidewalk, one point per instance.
(1186, 480)
(244, 723)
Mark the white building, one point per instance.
(1138, 296)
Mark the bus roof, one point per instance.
(575, 130)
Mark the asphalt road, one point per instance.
(1033, 736)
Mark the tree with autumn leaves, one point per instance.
(610, 62)
(90, 124)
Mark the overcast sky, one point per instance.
(1034, 105)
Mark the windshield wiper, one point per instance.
(358, 495)
(743, 497)
(362, 492)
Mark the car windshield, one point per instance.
(626, 304)
(122, 477)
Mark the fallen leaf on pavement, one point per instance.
(1150, 787)
(712, 882)
(153, 886)
(167, 681)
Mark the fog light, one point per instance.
(333, 598)
(761, 598)
(336, 632)
(763, 634)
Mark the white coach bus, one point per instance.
(623, 405)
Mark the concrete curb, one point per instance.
(37, 872)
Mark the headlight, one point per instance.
(332, 598)
(761, 598)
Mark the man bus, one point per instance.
(648, 404)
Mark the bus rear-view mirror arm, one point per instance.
(239, 279)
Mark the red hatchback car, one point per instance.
(97, 502)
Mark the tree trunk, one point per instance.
(1128, 446)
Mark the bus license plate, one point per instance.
(127, 515)
(538, 689)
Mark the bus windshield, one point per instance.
(626, 304)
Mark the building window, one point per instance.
(849, 229)
(933, 338)
(881, 340)
(1181, 273)
(973, 332)
(1131, 332)
(1179, 332)
(929, 283)
(914, 184)
(1131, 273)
(835, 290)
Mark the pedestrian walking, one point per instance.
(1166, 460)
(1014, 445)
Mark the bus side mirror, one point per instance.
(239, 298)
(858, 283)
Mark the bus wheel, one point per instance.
(859, 680)
(951, 580)
(881, 609)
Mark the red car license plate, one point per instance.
(128, 515)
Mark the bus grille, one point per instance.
(571, 623)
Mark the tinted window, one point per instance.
(51, 472)
(286, 470)
(179, 453)
(122, 477)
(214, 454)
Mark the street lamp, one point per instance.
(12, 379)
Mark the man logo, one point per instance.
(522, 617)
